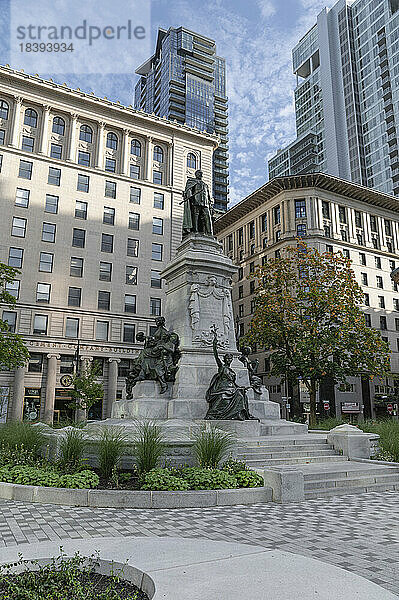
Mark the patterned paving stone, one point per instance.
(358, 533)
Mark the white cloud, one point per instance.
(267, 8)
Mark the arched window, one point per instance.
(135, 148)
(30, 117)
(3, 109)
(59, 125)
(158, 154)
(86, 133)
(112, 140)
(191, 161)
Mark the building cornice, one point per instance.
(314, 181)
(117, 110)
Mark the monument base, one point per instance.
(147, 403)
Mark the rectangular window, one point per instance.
(327, 230)
(56, 151)
(251, 287)
(27, 143)
(110, 189)
(277, 215)
(360, 239)
(105, 271)
(130, 303)
(252, 267)
(131, 275)
(129, 333)
(379, 282)
(263, 222)
(78, 238)
(74, 296)
(240, 236)
(367, 320)
(325, 209)
(378, 262)
(134, 221)
(358, 218)
(25, 169)
(342, 214)
(22, 198)
(51, 205)
(383, 323)
(364, 279)
(157, 177)
(35, 364)
(240, 292)
(76, 267)
(18, 227)
(156, 281)
(300, 209)
(251, 229)
(157, 251)
(102, 330)
(80, 210)
(15, 257)
(134, 171)
(54, 176)
(240, 310)
(159, 201)
(13, 288)
(157, 226)
(2, 136)
(132, 247)
(362, 258)
(107, 243)
(40, 324)
(66, 364)
(110, 165)
(396, 304)
(373, 223)
(104, 300)
(123, 368)
(71, 328)
(135, 195)
(367, 299)
(301, 230)
(46, 262)
(83, 183)
(155, 307)
(388, 227)
(392, 265)
(240, 274)
(344, 235)
(43, 292)
(10, 318)
(84, 159)
(381, 301)
(109, 216)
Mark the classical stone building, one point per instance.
(332, 215)
(90, 194)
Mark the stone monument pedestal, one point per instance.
(147, 403)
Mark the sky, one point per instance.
(255, 37)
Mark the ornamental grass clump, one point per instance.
(16, 434)
(111, 448)
(388, 430)
(211, 446)
(72, 448)
(148, 446)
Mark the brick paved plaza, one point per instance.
(358, 533)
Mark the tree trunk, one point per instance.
(313, 405)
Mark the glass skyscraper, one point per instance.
(347, 96)
(186, 81)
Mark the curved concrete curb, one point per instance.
(132, 499)
(198, 569)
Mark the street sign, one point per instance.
(390, 408)
(326, 406)
(288, 406)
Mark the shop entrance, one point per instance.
(62, 410)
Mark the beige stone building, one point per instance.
(333, 215)
(90, 195)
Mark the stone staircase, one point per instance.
(269, 452)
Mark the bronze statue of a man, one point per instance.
(198, 204)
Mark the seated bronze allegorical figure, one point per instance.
(157, 361)
(227, 400)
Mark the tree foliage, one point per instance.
(308, 316)
(13, 352)
(86, 389)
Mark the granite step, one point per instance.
(350, 482)
(350, 473)
(341, 491)
(275, 449)
(250, 456)
(269, 462)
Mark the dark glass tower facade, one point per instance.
(186, 81)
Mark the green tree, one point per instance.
(13, 352)
(86, 389)
(308, 316)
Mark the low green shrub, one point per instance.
(330, 423)
(249, 479)
(26, 475)
(388, 430)
(233, 466)
(162, 480)
(208, 479)
(17, 455)
(16, 434)
(72, 448)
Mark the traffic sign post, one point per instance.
(326, 406)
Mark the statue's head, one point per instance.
(140, 337)
(247, 350)
(228, 359)
(160, 321)
(151, 341)
(198, 174)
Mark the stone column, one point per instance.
(81, 413)
(125, 153)
(16, 121)
(169, 163)
(148, 159)
(99, 163)
(18, 394)
(50, 387)
(44, 131)
(112, 383)
(72, 139)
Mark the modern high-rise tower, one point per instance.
(347, 96)
(186, 81)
